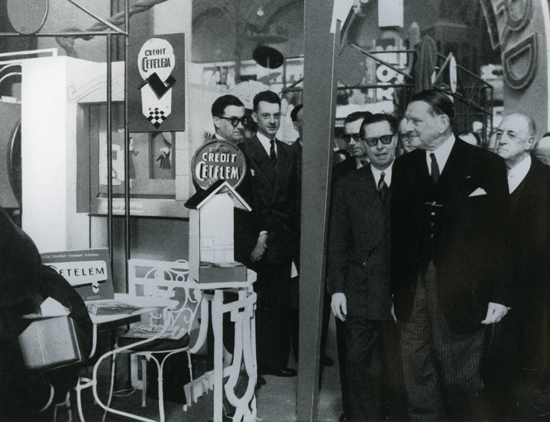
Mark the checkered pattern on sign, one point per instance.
(156, 117)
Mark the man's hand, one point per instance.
(339, 307)
(259, 249)
(495, 313)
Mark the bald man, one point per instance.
(522, 344)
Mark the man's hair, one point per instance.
(531, 125)
(379, 117)
(439, 102)
(266, 96)
(295, 111)
(356, 115)
(546, 135)
(221, 103)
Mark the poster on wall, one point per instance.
(156, 83)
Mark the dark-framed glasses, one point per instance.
(235, 120)
(385, 139)
(355, 136)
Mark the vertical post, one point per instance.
(127, 234)
(319, 111)
(109, 153)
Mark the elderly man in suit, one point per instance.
(273, 173)
(450, 272)
(359, 254)
(524, 337)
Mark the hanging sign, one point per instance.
(218, 160)
(156, 97)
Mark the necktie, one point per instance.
(272, 154)
(382, 186)
(435, 169)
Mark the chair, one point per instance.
(164, 285)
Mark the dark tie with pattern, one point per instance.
(382, 186)
(272, 154)
(435, 169)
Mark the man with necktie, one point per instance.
(450, 270)
(359, 261)
(273, 174)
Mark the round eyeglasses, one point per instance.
(235, 120)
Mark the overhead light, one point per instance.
(260, 11)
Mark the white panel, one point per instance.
(390, 13)
(43, 152)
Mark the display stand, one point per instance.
(212, 266)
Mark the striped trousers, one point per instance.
(442, 369)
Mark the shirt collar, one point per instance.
(387, 174)
(441, 154)
(517, 173)
(266, 142)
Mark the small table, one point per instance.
(108, 322)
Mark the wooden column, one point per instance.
(319, 110)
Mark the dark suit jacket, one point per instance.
(469, 244)
(358, 248)
(273, 195)
(343, 168)
(530, 239)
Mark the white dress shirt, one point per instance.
(441, 154)
(266, 143)
(517, 173)
(387, 174)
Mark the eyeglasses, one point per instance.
(235, 120)
(347, 138)
(385, 139)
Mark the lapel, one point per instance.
(530, 188)
(261, 160)
(457, 180)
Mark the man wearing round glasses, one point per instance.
(359, 260)
(229, 118)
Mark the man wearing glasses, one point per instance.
(352, 126)
(228, 115)
(405, 142)
(359, 260)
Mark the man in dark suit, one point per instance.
(352, 126)
(520, 362)
(450, 270)
(359, 260)
(272, 170)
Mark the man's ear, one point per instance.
(296, 128)
(254, 117)
(530, 144)
(216, 121)
(444, 123)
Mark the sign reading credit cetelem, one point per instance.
(218, 160)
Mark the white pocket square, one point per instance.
(478, 192)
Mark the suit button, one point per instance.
(432, 235)
(433, 213)
(364, 264)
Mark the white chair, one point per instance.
(164, 285)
